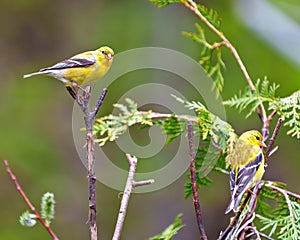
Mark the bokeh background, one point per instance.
(36, 113)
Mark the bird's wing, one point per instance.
(245, 174)
(232, 181)
(74, 62)
(242, 182)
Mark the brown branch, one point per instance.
(194, 8)
(99, 102)
(251, 197)
(266, 125)
(32, 208)
(288, 202)
(142, 183)
(272, 140)
(265, 236)
(89, 117)
(194, 182)
(130, 184)
(152, 115)
(280, 190)
(217, 45)
(236, 217)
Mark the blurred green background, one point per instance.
(35, 113)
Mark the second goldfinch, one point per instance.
(247, 166)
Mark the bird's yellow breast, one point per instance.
(243, 153)
(86, 75)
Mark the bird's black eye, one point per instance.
(103, 52)
(257, 138)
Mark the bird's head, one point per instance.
(253, 137)
(106, 53)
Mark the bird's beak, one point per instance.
(108, 56)
(262, 144)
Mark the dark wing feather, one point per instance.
(71, 63)
(232, 181)
(241, 182)
(246, 174)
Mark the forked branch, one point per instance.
(130, 185)
(89, 116)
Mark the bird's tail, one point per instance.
(32, 74)
(234, 202)
(230, 205)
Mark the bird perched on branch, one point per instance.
(247, 166)
(80, 69)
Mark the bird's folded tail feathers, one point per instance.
(32, 74)
(234, 202)
(230, 206)
(232, 191)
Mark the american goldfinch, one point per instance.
(80, 69)
(247, 166)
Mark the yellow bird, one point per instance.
(247, 166)
(80, 69)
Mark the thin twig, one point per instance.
(280, 190)
(254, 234)
(273, 138)
(32, 208)
(291, 194)
(194, 8)
(89, 117)
(126, 195)
(142, 183)
(130, 184)
(253, 201)
(152, 115)
(265, 236)
(235, 218)
(287, 199)
(253, 196)
(99, 102)
(266, 125)
(245, 225)
(250, 214)
(194, 181)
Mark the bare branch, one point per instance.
(99, 102)
(142, 183)
(130, 184)
(153, 115)
(194, 182)
(235, 219)
(89, 117)
(282, 191)
(193, 7)
(265, 236)
(272, 140)
(32, 208)
(286, 196)
(251, 197)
